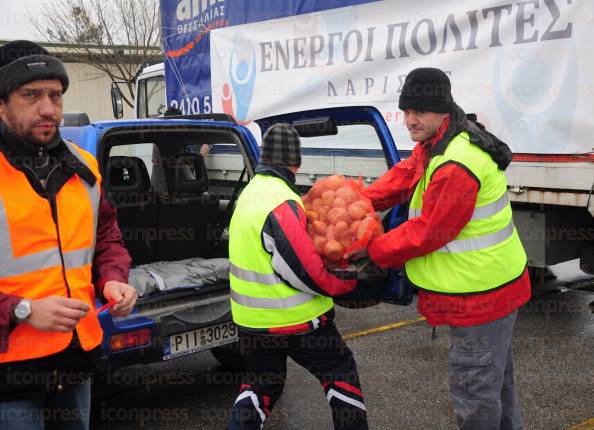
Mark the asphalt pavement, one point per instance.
(402, 370)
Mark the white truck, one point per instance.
(524, 67)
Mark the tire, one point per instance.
(229, 356)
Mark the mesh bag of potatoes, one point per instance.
(340, 219)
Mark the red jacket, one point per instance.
(448, 204)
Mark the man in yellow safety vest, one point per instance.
(459, 246)
(281, 294)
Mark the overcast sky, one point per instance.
(14, 21)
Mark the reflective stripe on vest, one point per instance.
(479, 213)
(94, 195)
(487, 252)
(265, 303)
(12, 266)
(259, 297)
(30, 260)
(266, 279)
(252, 276)
(478, 243)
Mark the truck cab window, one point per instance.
(151, 97)
(356, 150)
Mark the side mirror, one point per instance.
(116, 101)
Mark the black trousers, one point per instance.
(322, 352)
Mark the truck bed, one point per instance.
(551, 183)
(169, 276)
(559, 183)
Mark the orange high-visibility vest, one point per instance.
(31, 265)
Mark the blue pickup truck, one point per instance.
(175, 199)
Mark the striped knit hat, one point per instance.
(281, 146)
(22, 62)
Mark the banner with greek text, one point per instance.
(525, 68)
(186, 27)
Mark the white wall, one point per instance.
(89, 92)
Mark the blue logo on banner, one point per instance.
(242, 74)
(186, 25)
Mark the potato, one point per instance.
(358, 210)
(328, 197)
(330, 233)
(320, 227)
(333, 250)
(363, 227)
(337, 214)
(317, 204)
(319, 242)
(364, 204)
(341, 229)
(312, 216)
(346, 242)
(354, 227)
(339, 203)
(315, 192)
(347, 194)
(323, 213)
(334, 182)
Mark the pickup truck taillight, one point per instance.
(130, 339)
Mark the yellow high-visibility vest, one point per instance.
(487, 253)
(260, 298)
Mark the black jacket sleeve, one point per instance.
(294, 257)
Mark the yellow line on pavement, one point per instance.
(587, 425)
(383, 328)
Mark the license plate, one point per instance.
(199, 340)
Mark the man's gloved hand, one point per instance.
(356, 254)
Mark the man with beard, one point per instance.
(60, 247)
(459, 246)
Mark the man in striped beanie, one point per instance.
(281, 146)
(281, 295)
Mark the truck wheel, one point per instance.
(229, 356)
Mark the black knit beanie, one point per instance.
(427, 89)
(22, 62)
(281, 146)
